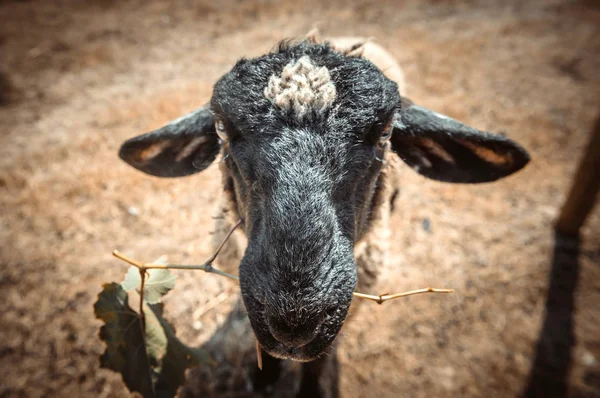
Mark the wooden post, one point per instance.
(584, 190)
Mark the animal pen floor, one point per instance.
(79, 77)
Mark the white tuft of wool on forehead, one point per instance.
(302, 87)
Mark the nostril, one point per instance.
(293, 334)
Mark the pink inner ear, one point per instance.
(190, 147)
(436, 149)
(150, 152)
(488, 154)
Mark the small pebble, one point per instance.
(588, 359)
(426, 225)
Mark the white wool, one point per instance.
(302, 87)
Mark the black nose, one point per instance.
(291, 332)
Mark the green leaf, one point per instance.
(132, 279)
(158, 282)
(176, 357)
(122, 332)
(154, 363)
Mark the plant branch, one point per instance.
(216, 253)
(142, 315)
(385, 297)
(207, 267)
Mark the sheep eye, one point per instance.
(221, 131)
(387, 132)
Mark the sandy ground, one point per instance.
(78, 78)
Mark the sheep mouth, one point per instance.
(320, 344)
(302, 354)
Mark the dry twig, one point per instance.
(259, 355)
(385, 297)
(212, 303)
(207, 267)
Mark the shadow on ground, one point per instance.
(550, 371)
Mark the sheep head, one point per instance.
(303, 132)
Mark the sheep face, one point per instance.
(303, 132)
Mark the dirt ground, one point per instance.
(79, 77)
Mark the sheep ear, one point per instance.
(185, 146)
(444, 149)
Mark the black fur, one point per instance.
(420, 135)
(305, 187)
(172, 140)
